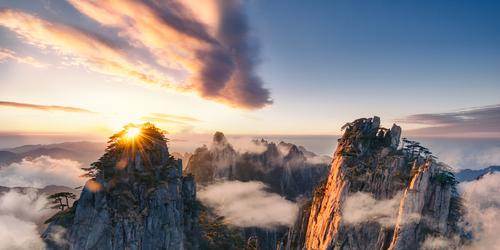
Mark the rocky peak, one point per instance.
(143, 201)
(221, 146)
(395, 135)
(294, 153)
(377, 197)
(219, 139)
(365, 135)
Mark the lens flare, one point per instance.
(133, 132)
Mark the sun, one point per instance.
(133, 132)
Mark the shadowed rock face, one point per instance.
(376, 197)
(284, 168)
(288, 174)
(143, 201)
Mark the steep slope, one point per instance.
(137, 199)
(377, 197)
(284, 169)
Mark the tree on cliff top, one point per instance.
(133, 137)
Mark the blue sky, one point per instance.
(445, 54)
(256, 68)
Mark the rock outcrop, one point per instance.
(378, 197)
(285, 168)
(137, 199)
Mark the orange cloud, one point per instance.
(162, 120)
(46, 108)
(210, 42)
(182, 118)
(6, 53)
(87, 49)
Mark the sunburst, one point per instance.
(133, 132)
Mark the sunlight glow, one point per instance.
(133, 132)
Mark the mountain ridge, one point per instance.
(377, 197)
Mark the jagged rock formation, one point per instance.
(184, 158)
(142, 200)
(418, 197)
(285, 168)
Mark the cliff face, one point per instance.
(137, 200)
(284, 168)
(377, 197)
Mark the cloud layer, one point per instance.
(211, 41)
(484, 119)
(51, 108)
(483, 212)
(41, 172)
(19, 215)
(247, 204)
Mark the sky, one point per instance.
(82, 69)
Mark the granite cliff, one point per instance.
(137, 198)
(379, 197)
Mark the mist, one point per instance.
(361, 207)
(464, 153)
(482, 219)
(248, 204)
(21, 219)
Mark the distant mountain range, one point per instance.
(83, 152)
(48, 190)
(470, 175)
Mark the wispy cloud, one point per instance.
(88, 49)
(211, 41)
(162, 120)
(181, 118)
(51, 108)
(478, 119)
(6, 53)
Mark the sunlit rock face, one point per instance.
(378, 197)
(138, 200)
(286, 169)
